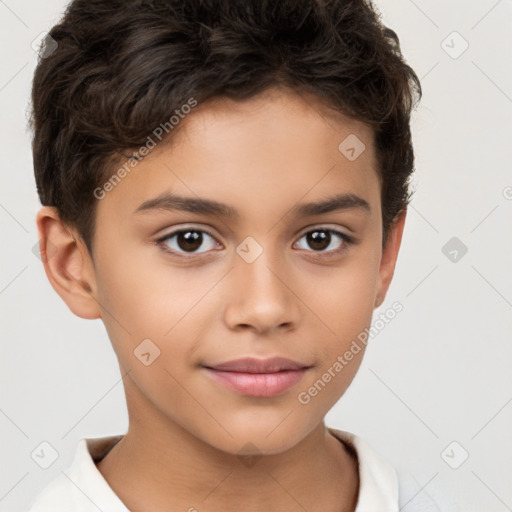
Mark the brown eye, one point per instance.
(318, 240)
(188, 241)
(322, 239)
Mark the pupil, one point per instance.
(318, 239)
(191, 240)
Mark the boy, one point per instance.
(273, 139)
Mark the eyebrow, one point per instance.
(169, 201)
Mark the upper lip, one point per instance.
(254, 365)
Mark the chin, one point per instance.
(264, 438)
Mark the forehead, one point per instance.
(258, 155)
(304, 117)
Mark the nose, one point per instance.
(261, 296)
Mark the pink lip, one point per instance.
(258, 377)
(258, 384)
(254, 365)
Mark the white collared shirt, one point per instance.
(82, 487)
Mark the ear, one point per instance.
(67, 264)
(389, 257)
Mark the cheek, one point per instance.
(166, 305)
(344, 303)
(340, 349)
(346, 299)
(148, 295)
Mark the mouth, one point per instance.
(256, 377)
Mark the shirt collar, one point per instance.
(84, 474)
(378, 484)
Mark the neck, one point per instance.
(158, 465)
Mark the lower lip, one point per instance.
(258, 384)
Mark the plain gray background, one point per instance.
(435, 385)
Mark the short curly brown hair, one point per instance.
(118, 68)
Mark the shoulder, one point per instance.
(81, 488)
(383, 486)
(413, 496)
(57, 495)
(430, 495)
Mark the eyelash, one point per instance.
(347, 240)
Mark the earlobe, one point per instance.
(389, 257)
(67, 264)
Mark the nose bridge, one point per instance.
(259, 276)
(260, 295)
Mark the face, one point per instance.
(266, 275)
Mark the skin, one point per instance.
(262, 156)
